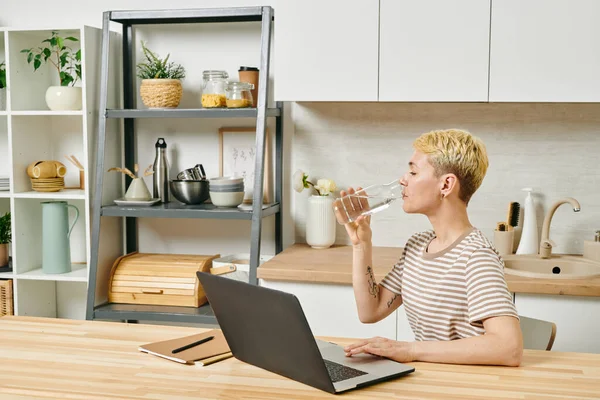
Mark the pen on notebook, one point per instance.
(194, 344)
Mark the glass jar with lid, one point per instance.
(239, 94)
(213, 89)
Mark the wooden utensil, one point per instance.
(76, 162)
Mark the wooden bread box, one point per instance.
(159, 279)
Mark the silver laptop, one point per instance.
(267, 328)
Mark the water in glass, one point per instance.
(367, 201)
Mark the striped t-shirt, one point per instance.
(448, 294)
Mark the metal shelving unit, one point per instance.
(201, 315)
(177, 210)
(192, 113)
(259, 211)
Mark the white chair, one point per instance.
(537, 334)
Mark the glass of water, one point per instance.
(367, 201)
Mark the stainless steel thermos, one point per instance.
(161, 172)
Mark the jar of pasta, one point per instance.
(239, 94)
(213, 89)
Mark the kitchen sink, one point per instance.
(558, 266)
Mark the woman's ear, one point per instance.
(450, 184)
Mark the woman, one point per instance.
(450, 279)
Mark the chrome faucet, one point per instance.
(546, 244)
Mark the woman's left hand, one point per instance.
(398, 351)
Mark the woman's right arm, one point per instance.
(373, 301)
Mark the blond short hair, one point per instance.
(458, 152)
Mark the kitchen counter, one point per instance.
(301, 263)
(57, 358)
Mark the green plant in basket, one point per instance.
(65, 59)
(2, 75)
(156, 68)
(161, 80)
(5, 229)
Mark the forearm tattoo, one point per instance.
(373, 287)
(391, 301)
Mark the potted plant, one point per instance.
(2, 86)
(5, 238)
(161, 80)
(67, 62)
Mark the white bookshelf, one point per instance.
(78, 274)
(49, 112)
(29, 131)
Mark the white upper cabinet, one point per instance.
(326, 50)
(545, 51)
(434, 50)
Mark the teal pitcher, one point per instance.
(56, 249)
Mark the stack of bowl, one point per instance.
(191, 186)
(226, 191)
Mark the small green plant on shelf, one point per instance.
(5, 231)
(65, 59)
(161, 80)
(2, 75)
(156, 68)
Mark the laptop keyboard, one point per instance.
(339, 372)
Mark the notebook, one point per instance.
(214, 350)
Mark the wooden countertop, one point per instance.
(301, 263)
(54, 358)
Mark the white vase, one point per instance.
(138, 190)
(64, 98)
(320, 222)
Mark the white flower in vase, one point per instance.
(324, 187)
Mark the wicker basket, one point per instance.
(6, 297)
(161, 93)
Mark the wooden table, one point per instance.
(51, 358)
(301, 263)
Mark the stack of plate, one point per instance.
(47, 184)
(4, 183)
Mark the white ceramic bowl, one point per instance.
(227, 199)
(226, 180)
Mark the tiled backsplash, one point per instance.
(553, 148)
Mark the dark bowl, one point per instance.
(190, 192)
